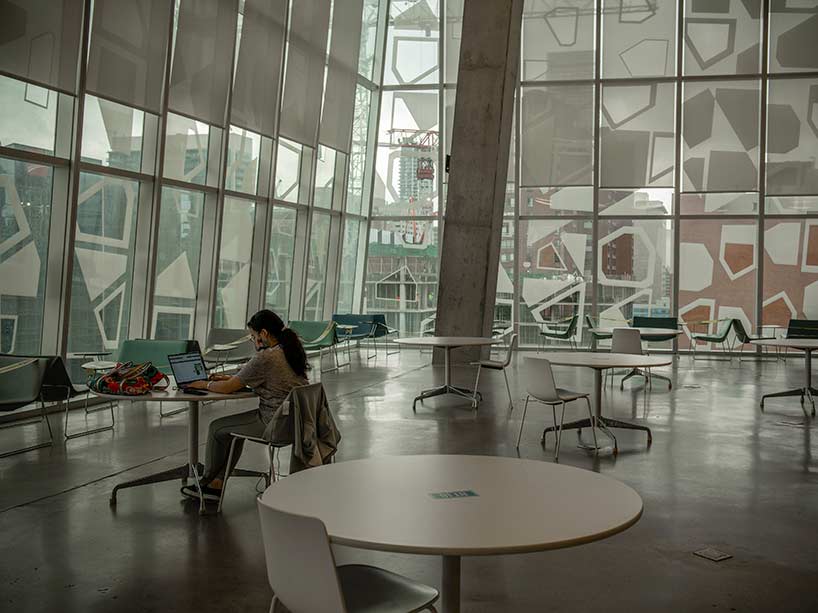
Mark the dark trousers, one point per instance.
(219, 439)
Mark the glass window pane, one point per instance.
(719, 204)
(717, 263)
(177, 263)
(722, 37)
(554, 267)
(557, 135)
(720, 135)
(637, 138)
(558, 39)
(324, 177)
(349, 262)
(411, 42)
(25, 216)
(504, 295)
(369, 35)
(791, 205)
(290, 161)
(638, 38)
(359, 153)
(556, 200)
(644, 201)
(790, 271)
(103, 263)
(402, 272)
(793, 43)
(233, 285)
(280, 270)
(243, 151)
(29, 117)
(317, 267)
(186, 149)
(406, 163)
(454, 30)
(112, 134)
(792, 136)
(635, 270)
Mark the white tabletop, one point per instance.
(791, 343)
(521, 505)
(172, 394)
(448, 341)
(602, 361)
(643, 332)
(226, 346)
(99, 365)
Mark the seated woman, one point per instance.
(280, 364)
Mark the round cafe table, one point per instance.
(457, 505)
(191, 469)
(447, 343)
(807, 345)
(646, 334)
(599, 362)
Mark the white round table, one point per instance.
(807, 345)
(599, 362)
(192, 468)
(646, 334)
(447, 343)
(98, 365)
(458, 505)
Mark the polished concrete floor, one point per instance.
(719, 473)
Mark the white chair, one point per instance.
(628, 340)
(496, 365)
(302, 572)
(540, 386)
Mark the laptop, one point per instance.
(187, 368)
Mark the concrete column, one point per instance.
(481, 135)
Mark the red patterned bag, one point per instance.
(128, 379)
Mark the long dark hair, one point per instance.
(265, 319)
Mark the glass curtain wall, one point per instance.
(223, 162)
(662, 163)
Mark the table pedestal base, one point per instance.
(450, 584)
(447, 389)
(648, 378)
(604, 424)
(808, 392)
(180, 472)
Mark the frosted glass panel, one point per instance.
(638, 38)
(558, 39)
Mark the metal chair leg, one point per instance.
(522, 421)
(228, 469)
(592, 419)
(559, 433)
(476, 383)
(508, 389)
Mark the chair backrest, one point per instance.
(539, 378)
(572, 325)
(589, 322)
(427, 325)
(154, 351)
(315, 333)
(57, 382)
(740, 330)
(381, 328)
(802, 328)
(363, 323)
(300, 564)
(725, 328)
(640, 321)
(626, 340)
(21, 379)
(512, 345)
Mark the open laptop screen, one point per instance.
(187, 367)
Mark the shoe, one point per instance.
(209, 494)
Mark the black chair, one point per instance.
(720, 337)
(21, 384)
(744, 338)
(597, 336)
(58, 387)
(564, 335)
(669, 323)
(802, 328)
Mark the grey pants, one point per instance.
(219, 439)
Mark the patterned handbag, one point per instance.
(128, 379)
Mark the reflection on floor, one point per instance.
(720, 473)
